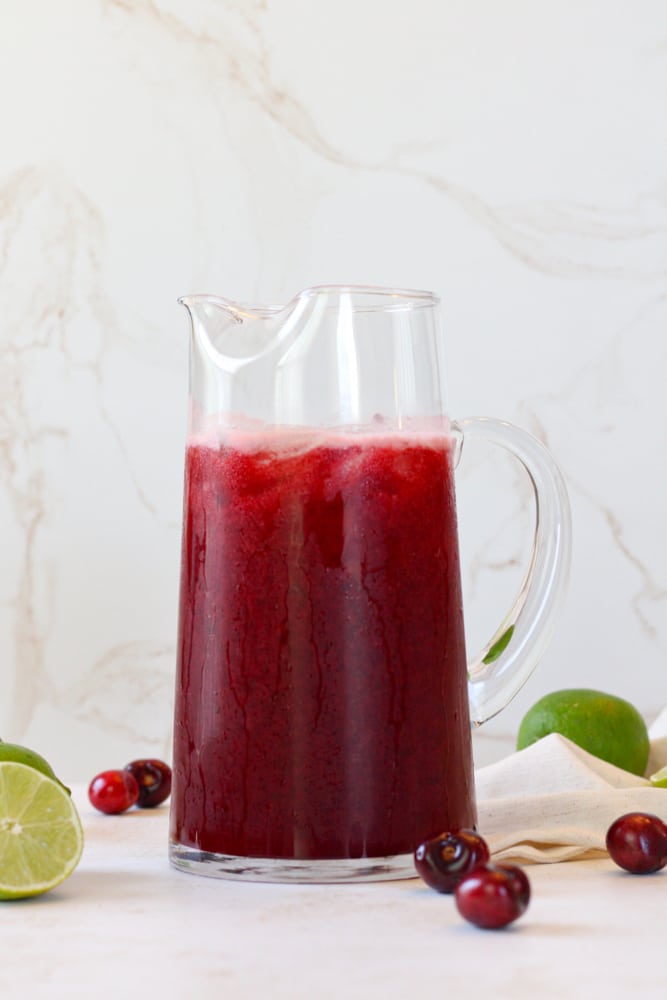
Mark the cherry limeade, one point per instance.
(322, 704)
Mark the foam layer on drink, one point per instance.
(249, 436)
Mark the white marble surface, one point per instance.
(126, 924)
(508, 156)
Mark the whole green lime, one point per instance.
(602, 724)
(24, 755)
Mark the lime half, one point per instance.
(41, 840)
(659, 779)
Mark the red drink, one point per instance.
(321, 702)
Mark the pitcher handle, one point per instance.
(497, 673)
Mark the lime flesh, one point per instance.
(659, 779)
(41, 839)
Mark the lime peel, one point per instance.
(499, 646)
(24, 755)
(603, 724)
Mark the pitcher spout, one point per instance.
(238, 357)
(229, 334)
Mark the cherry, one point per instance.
(113, 791)
(493, 896)
(443, 861)
(154, 780)
(638, 842)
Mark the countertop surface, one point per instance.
(127, 924)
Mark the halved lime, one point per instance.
(659, 779)
(41, 839)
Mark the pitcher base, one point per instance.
(189, 859)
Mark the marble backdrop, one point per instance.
(510, 156)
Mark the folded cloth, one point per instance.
(554, 801)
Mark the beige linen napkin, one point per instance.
(555, 802)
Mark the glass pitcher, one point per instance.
(324, 699)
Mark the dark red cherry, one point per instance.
(638, 842)
(443, 861)
(493, 896)
(154, 780)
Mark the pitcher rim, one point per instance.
(404, 298)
